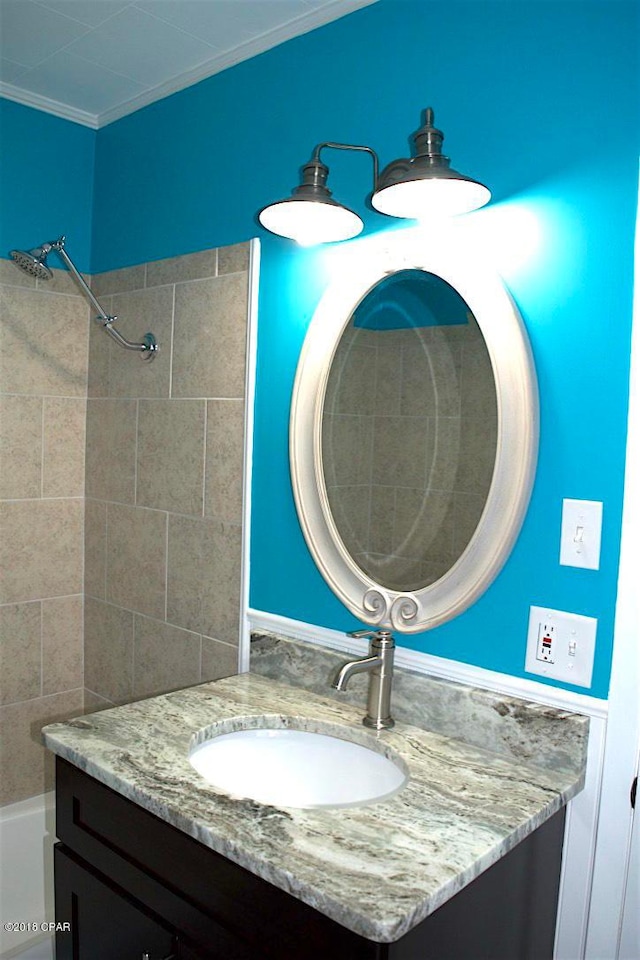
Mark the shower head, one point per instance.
(34, 261)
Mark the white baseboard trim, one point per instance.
(435, 666)
(578, 861)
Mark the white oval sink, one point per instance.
(296, 768)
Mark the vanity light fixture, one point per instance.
(310, 215)
(412, 188)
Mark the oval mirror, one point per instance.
(409, 430)
(413, 435)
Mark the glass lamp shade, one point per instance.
(311, 220)
(437, 196)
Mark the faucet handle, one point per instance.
(382, 636)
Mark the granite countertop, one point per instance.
(377, 869)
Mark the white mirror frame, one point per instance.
(517, 440)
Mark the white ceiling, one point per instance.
(94, 61)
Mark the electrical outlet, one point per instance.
(561, 645)
(546, 642)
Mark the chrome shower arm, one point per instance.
(148, 348)
(58, 246)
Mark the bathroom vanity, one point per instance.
(128, 884)
(462, 862)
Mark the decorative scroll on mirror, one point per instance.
(413, 437)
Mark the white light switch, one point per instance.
(581, 532)
(561, 645)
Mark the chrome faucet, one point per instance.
(379, 665)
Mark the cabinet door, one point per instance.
(103, 924)
(220, 910)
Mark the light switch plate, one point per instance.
(561, 645)
(581, 533)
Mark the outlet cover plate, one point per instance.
(573, 649)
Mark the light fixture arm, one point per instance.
(331, 145)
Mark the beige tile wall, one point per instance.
(120, 494)
(44, 337)
(164, 478)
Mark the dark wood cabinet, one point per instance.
(127, 883)
(104, 922)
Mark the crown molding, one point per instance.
(229, 58)
(38, 102)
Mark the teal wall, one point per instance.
(524, 106)
(46, 182)
(537, 99)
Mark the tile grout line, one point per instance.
(41, 648)
(105, 554)
(143, 507)
(105, 549)
(135, 453)
(82, 658)
(204, 485)
(42, 419)
(133, 654)
(172, 335)
(39, 499)
(14, 603)
(44, 396)
(154, 619)
(204, 458)
(109, 347)
(100, 696)
(46, 696)
(166, 566)
(87, 350)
